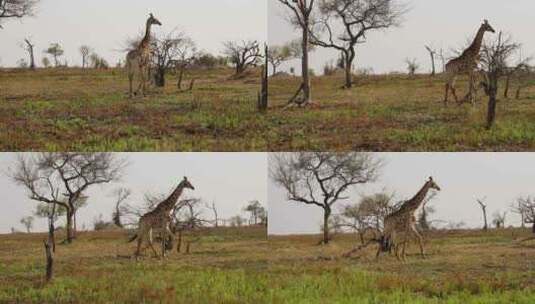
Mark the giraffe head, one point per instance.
(186, 184)
(153, 21)
(487, 27)
(432, 184)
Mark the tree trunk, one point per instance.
(159, 78)
(507, 83)
(49, 262)
(349, 57)
(180, 77)
(533, 227)
(32, 59)
(304, 65)
(326, 215)
(486, 227)
(274, 67)
(69, 227)
(433, 71)
(491, 114)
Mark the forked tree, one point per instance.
(495, 56)
(483, 205)
(432, 54)
(85, 50)
(62, 178)
(343, 24)
(243, 54)
(29, 48)
(322, 179)
(302, 13)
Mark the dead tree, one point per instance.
(494, 58)
(302, 12)
(483, 206)
(29, 47)
(322, 179)
(412, 66)
(498, 219)
(213, 208)
(262, 103)
(121, 195)
(85, 51)
(432, 54)
(242, 54)
(10, 9)
(50, 244)
(62, 178)
(355, 19)
(526, 207)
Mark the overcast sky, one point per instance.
(105, 25)
(229, 180)
(463, 177)
(443, 24)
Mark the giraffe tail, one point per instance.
(132, 238)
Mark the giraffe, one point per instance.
(403, 221)
(159, 218)
(137, 60)
(466, 63)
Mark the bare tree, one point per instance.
(213, 208)
(29, 47)
(27, 221)
(481, 202)
(277, 55)
(98, 62)
(355, 19)
(16, 9)
(412, 66)
(172, 50)
(322, 179)
(494, 59)
(498, 219)
(432, 54)
(55, 50)
(243, 54)
(302, 13)
(526, 207)
(120, 195)
(62, 178)
(85, 50)
(368, 214)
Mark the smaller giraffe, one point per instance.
(466, 63)
(138, 59)
(403, 221)
(159, 218)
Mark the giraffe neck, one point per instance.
(146, 39)
(475, 47)
(415, 202)
(170, 202)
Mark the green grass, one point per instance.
(72, 109)
(238, 265)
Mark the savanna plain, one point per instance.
(238, 265)
(89, 110)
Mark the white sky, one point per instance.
(443, 24)
(463, 177)
(228, 179)
(105, 25)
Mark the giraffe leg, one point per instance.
(420, 240)
(453, 89)
(130, 81)
(405, 238)
(151, 244)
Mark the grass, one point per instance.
(72, 109)
(239, 265)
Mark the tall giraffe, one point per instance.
(466, 63)
(403, 221)
(159, 218)
(138, 59)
